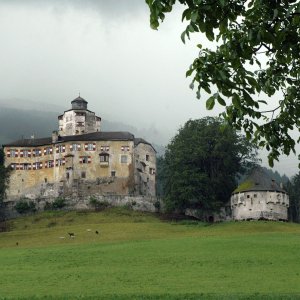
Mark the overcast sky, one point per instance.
(52, 49)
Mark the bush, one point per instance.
(157, 205)
(58, 203)
(98, 205)
(24, 206)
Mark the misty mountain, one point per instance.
(23, 123)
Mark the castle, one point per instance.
(79, 160)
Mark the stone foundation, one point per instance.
(138, 203)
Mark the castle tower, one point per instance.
(259, 197)
(78, 119)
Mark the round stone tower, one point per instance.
(259, 197)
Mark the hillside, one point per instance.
(138, 256)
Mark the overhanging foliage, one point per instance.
(247, 32)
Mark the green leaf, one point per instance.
(183, 37)
(189, 72)
(271, 161)
(210, 103)
(194, 16)
(221, 100)
(236, 100)
(210, 35)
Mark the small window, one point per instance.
(60, 149)
(248, 196)
(50, 163)
(68, 175)
(113, 173)
(104, 157)
(83, 175)
(13, 166)
(85, 159)
(36, 152)
(13, 153)
(151, 171)
(75, 147)
(255, 195)
(125, 148)
(26, 167)
(147, 157)
(104, 148)
(26, 153)
(90, 147)
(46, 180)
(37, 165)
(60, 162)
(123, 159)
(48, 150)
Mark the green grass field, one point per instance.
(138, 256)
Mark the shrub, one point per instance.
(58, 203)
(98, 205)
(157, 205)
(24, 206)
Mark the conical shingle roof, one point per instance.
(258, 180)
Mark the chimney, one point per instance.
(54, 137)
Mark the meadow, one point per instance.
(138, 256)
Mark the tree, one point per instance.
(4, 176)
(293, 189)
(247, 33)
(202, 163)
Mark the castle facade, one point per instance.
(79, 160)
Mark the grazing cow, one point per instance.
(71, 234)
(96, 232)
(17, 244)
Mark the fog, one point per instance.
(106, 50)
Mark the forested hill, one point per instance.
(18, 123)
(23, 123)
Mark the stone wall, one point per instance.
(269, 205)
(139, 203)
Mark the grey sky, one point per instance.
(127, 72)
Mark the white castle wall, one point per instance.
(269, 205)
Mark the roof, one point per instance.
(142, 141)
(94, 136)
(30, 142)
(258, 180)
(79, 99)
